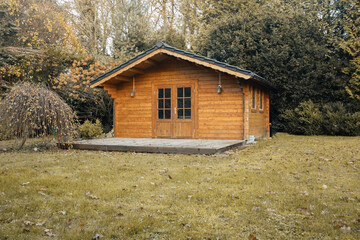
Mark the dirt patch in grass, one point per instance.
(289, 187)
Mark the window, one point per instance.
(261, 99)
(253, 98)
(164, 103)
(184, 103)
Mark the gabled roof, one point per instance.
(161, 47)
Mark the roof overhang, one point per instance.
(125, 71)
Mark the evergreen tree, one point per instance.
(284, 45)
(351, 45)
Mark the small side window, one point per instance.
(261, 99)
(253, 98)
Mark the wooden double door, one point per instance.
(174, 114)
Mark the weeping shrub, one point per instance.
(29, 111)
(90, 130)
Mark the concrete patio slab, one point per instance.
(157, 145)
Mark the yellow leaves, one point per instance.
(42, 23)
(41, 26)
(12, 70)
(83, 62)
(13, 5)
(49, 26)
(75, 85)
(2, 69)
(89, 59)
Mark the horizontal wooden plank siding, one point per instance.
(133, 114)
(258, 118)
(220, 116)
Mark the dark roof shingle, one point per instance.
(189, 54)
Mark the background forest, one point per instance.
(309, 49)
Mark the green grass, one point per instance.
(289, 187)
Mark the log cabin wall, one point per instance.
(258, 116)
(220, 116)
(217, 116)
(133, 115)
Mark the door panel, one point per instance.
(163, 130)
(164, 123)
(174, 111)
(183, 130)
(184, 116)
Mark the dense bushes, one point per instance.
(337, 121)
(90, 130)
(74, 87)
(330, 119)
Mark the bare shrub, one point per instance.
(29, 110)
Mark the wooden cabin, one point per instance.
(166, 92)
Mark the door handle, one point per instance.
(175, 110)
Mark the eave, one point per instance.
(130, 68)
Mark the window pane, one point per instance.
(180, 114)
(188, 102)
(261, 101)
(187, 92)
(180, 103)
(180, 92)
(167, 114)
(161, 93)
(161, 114)
(167, 92)
(253, 98)
(187, 113)
(161, 103)
(167, 103)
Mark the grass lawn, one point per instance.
(289, 187)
